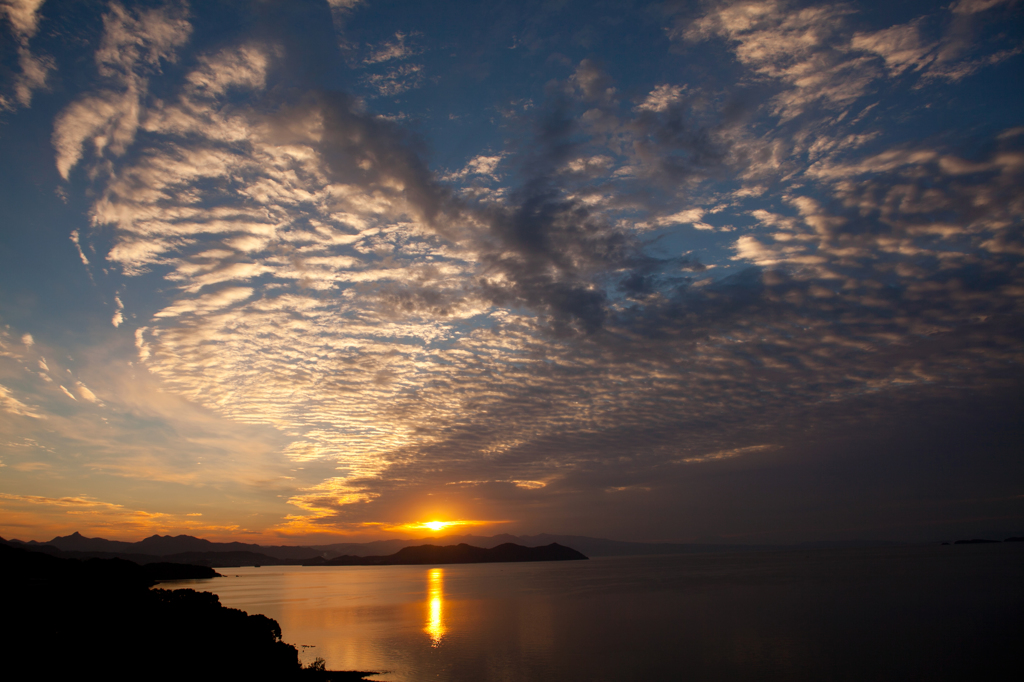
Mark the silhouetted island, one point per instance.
(66, 619)
(456, 554)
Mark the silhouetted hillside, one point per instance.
(458, 554)
(213, 559)
(67, 619)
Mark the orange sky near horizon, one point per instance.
(25, 517)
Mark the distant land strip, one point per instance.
(456, 554)
(186, 549)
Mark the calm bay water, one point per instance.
(929, 613)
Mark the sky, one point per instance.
(308, 271)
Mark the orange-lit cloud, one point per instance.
(37, 516)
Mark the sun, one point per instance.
(434, 526)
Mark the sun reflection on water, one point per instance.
(435, 601)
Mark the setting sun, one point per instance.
(437, 526)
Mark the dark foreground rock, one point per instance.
(458, 554)
(64, 619)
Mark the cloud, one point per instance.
(243, 67)
(322, 504)
(542, 323)
(118, 317)
(662, 98)
(369, 223)
(482, 164)
(74, 237)
(593, 83)
(396, 49)
(945, 56)
(974, 6)
(691, 216)
(900, 46)
(84, 391)
(14, 406)
(728, 454)
(207, 303)
(343, 5)
(34, 72)
(819, 61)
(24, 17)
(312, 177)
(62, 515)
(396, 80)
(110, 119)
(133, 46)
(799, 47)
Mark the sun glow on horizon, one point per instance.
(435, 526)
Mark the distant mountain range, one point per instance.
(191, 550)
(167, 546)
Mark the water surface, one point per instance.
(929, 613)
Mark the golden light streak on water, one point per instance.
(435, 602)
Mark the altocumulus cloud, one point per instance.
(632, 276)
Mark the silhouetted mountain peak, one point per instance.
(173, 544)
(461, 553)
(77, 541)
